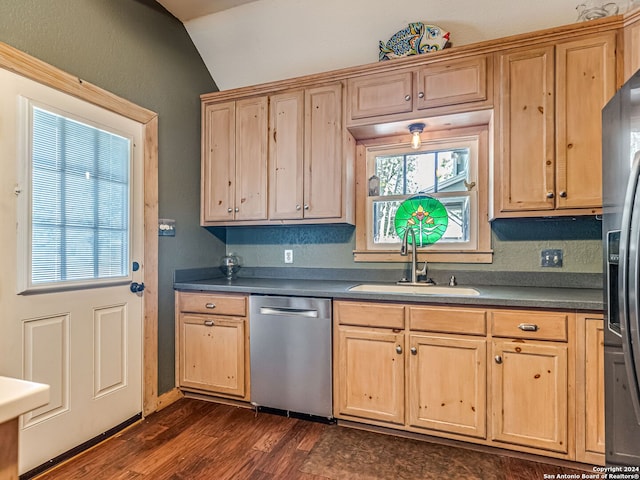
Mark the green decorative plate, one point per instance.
(426, 215)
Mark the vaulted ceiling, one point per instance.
(248, 42)
(185, 10)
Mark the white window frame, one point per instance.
(470, 143)
(478, 249)
(24, 190)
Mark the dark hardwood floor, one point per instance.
(194, 439)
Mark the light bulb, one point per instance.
(416, 142)
(416, 129)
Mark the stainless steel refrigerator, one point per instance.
(621, 249)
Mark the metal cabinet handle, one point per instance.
(420, 94)
(208, 323)
(407, 97)
(498, 359)
(550, 195)
(229, 209)
(210, 305)
(414, 351)
(236, 209)
(297, 207)
(563, 194)
(528, 327)
(399, 349)
(306, 207)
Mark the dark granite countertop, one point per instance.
(573, 295)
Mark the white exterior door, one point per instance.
(81, 336)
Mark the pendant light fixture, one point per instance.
(416, 129)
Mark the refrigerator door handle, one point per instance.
(628, 296)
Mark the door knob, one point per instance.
(136, 287)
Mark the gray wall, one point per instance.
(516, 245)
(139, 52)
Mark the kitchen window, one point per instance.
(449, 168)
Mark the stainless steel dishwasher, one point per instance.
(291, 354)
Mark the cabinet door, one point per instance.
(585, 82)
(380, 94)
(218, 162)
(590, 430)
(439, 400)
(323, 171)
(530, 394)
(370, 372)
(212, 353)
(286, 154)
(251, 159)
(525, 130)
(450, 83)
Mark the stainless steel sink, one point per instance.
(415, 289)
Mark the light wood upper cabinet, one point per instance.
(525, 129)
(309, 156)
(370, 374)
(283, 158)
(453, 82)
(286, 155)
(234, 164)
(548, 136)
(380, 94)
(440, 400)
(390, 96)
(218, 162)
(586, 80)
(590, 421)
(324, 160)
(530, 394)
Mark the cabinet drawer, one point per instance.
(370, 314)
(448, 320)
(452, 83)
(533, 325)
(217, 304)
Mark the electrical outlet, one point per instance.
(551, 258)
(288, 256)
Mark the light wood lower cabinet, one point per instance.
(529, 394)
(590, 433)
(448, 384)
(212, 354)
(370, 370)
(508, 378)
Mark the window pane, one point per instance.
(384, 212)
(458, 226)
(80, 201)
(424, 172)
(453, 170)
(390, 171)
(421, 173)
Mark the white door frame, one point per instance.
(27, 66)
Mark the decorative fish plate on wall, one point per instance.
(416, 38)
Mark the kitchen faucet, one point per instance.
(404, 251)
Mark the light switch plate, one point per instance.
(551, 257)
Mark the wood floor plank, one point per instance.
(198, 440)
